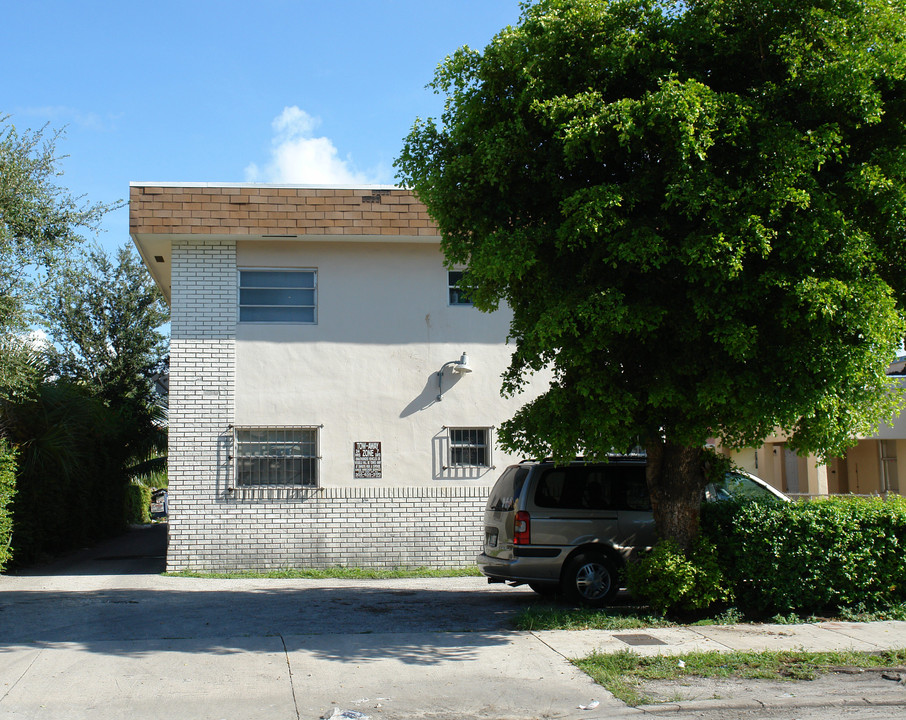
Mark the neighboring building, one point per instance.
(320, 412)
(870, 467)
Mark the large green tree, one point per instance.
(697, 213)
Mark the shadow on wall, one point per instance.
(430, 393)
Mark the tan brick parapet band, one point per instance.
(269, 210)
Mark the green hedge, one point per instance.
(7, 490)
(138, 501)
(70, 484)
(811, 557)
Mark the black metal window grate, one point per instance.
(276, 456)
(470, 447)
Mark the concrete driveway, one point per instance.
(102, 634)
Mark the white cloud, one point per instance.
(299, 157)
(56, 114)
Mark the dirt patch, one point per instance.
(825, 689)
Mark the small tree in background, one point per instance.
(40, 223)
(105, 318)
(697, 213)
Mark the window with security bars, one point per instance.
(276, 456)
(278, 296)
(470, 447)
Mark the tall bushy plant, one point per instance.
(670, 579)
(820, 556)
(69, 485)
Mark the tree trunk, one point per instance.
(676, 482)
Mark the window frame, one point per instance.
(313, 461)
(487, 446)
(314, 289)
(453, 287)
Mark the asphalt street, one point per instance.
(102, 634)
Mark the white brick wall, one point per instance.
(211, 528)
(362, 527)
(202, 375)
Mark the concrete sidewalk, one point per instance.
(390, 676)
(816, 637)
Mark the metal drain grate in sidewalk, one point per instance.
(640, 639)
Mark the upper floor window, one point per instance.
(457, 296)
(278, 296)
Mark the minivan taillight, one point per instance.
(522, 534)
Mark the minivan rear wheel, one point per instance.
(590, 578)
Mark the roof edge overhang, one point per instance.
(304, 186)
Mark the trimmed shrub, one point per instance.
(813, 557)
(138, 500)
(7, 490)
(669, 580)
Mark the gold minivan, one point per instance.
(572, 528)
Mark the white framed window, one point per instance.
(276, 456)
(278, 296)
(470, 447)
(456, 296)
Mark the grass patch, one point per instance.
(335, 573)
(543, 617)
(623, 617)
(622, 673)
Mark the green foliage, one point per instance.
(7, 490)
(104, 317)
(822, 556)
(69, 486)
(695, 210)
(40, 222)
(559, 618)
(77, 436)
(670, 579)
(138, 502)
(153, 479)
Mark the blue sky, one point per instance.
(305, 91)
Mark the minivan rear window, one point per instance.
(507, 488)
(593, 487)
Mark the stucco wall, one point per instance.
(367, 371)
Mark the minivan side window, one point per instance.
(593, 487)
(636, 487)
(507, 489)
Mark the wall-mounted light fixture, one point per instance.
(461, 367)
